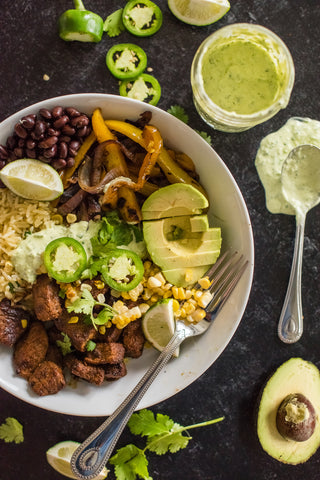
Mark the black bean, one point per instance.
(68, 130)
(82, 132)
(80, 121)
(18, 152)
(59, 163)
(30, 144)
(45, 113)
(20, 130)
(2, 164)
(63, 150)
(4, 154)
(12, 142)
(31, 153)
(57, 112)
(44, 159)
(53, 131)
(40, 127)
(65, 139)
(48, 142)
(61, 121)
(37, 136)
(70, 162)
(50, 152)
(28, 121)
(72, 112)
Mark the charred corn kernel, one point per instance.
(197, 294)
(71, 293)
(71, 218)
(147, 265)
(154, 298)
(189, 308)
(193, 302)
(24, 323)
(204, 282)
(120, 307)
(153, 282)
(179, 293)
(144, 307)
(125, 295)
(160, 277)
(159, 291)
(205, 299)
(147, 294)
(198, 315)
(73, 320)
(167, 294)
(188, 275)
(167, 286)
(101, 298)
(102, 329)
(58, 219)
(175, 305)
(135, 312)
(115, 293)
(99, 284)
(183, 312)
(85, 286)
(188, 293)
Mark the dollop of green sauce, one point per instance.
(273, 151)
(240, 76)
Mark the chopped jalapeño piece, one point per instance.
(126, 60)
(65, 259)
(142, 17)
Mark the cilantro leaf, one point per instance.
(90, 346)
(84, 304)
(103, 317)
(11, 431)
(65, 345)
(171, 442)
(179, 112)
(205, 136)
(113, 24)
(144, 423)
(130, 462)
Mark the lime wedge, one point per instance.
(199, 12)
(32, 179)
(59, 457)
(158, 324)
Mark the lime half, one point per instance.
(199, 12)
(59, 457)
(158, 324)
(32, 179)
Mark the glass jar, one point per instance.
(250, 71)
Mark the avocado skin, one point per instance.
(294, 376)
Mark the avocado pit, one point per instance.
(296, 418)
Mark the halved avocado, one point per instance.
(173, 200)
(296, 376)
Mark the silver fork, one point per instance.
(91, 456)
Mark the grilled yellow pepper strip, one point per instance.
(67, 174)
(127, 202)
(171, 169)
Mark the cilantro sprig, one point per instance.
(163, 436)
(113, 24)
(180, 113)
(86, 303)
(65, 345)
(11, 431)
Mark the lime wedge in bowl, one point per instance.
(59, 457)
(32, 179)
(158, 324)
(199, 12)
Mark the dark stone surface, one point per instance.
(30, 48)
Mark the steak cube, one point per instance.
(31, 350)
(46, 300)
(11, 328)
(47, 379)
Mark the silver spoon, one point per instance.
(300, 178)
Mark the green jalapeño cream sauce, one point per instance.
(273, 151)
(240, 76)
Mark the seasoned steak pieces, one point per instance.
(114, 372)
(79, 333)
(31, 350)
(106, 353)
(133, 339)
(47, 379)
(54, 355)
(91, 373)
(46, 300)
(11, 327)
(112, 334)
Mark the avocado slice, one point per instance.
(296, 376)
(177, 276)
(174, 200)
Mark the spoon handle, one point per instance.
(290, 325)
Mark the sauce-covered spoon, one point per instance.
(300, 178)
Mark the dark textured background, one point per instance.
(30, 48)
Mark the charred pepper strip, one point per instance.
(80, 24)
(129, 206)
(67, 174)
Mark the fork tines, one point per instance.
(224, 275)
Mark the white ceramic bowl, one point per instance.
(228, 210)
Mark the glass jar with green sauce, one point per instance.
(241, 75)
